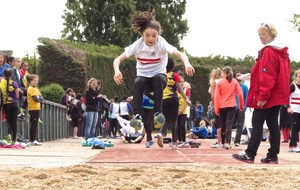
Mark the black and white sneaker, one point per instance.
(269, 160)
(244, 157)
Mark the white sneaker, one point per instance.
(183, 145)
(36, 143)
(227, 146)
(175, 147)
(216, 146)
(294, 149)
(68, 117)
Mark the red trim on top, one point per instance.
(149, 60)
(295, 98)
(297, 103)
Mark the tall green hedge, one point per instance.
(61, 64)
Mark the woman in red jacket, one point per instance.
(269, 89)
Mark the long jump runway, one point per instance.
(137, 154)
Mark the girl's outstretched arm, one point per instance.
(118, 78)
(189, 69)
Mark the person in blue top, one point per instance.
(199, 132)
(239, 117)
(148, 116)
(199, 111)
(3, 65)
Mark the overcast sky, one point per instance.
(216, 27)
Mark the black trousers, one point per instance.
(144, 85)
(226, 117)
(34, 121)
(295, 130)
(11, 113)
(170, 111)
(270, 115)
(239, 120)
(114, 127)
(148, 117)
(181, 121)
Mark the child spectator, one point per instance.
(76, 113)
(131, 134)
(65, 100)
(199, 111)
(199, 132)
(10, 95)
(34, 98)
(125, 108)
(225, 103)
(114, 113)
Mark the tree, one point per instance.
(296, 22)
(98, 21)
(105, 22)
(170, 15)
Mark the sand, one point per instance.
(45, 167)
(150, 177)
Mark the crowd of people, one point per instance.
(19, 92)
(161, 98)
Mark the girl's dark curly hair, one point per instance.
(143, 20)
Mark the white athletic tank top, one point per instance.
(295, 99)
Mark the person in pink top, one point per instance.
(225, 103)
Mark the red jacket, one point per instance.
(270, 78)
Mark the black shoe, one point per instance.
(269, 160)
(244, 157)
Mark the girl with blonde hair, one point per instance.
(92, 109)
(215, 75)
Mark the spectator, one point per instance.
(215, 76)
(294, 109)
(199, 111)
(129, 134)
(171, 95)
(269, 89)
(199, 132)
(114, 125)
(34, 98)
(239, 117)
(225, 103)
(92, 108)
(76, 113)
(65, 100)
(125, 108)
(192, 118)
(10, 96)
(285, 123)
(3, 65)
